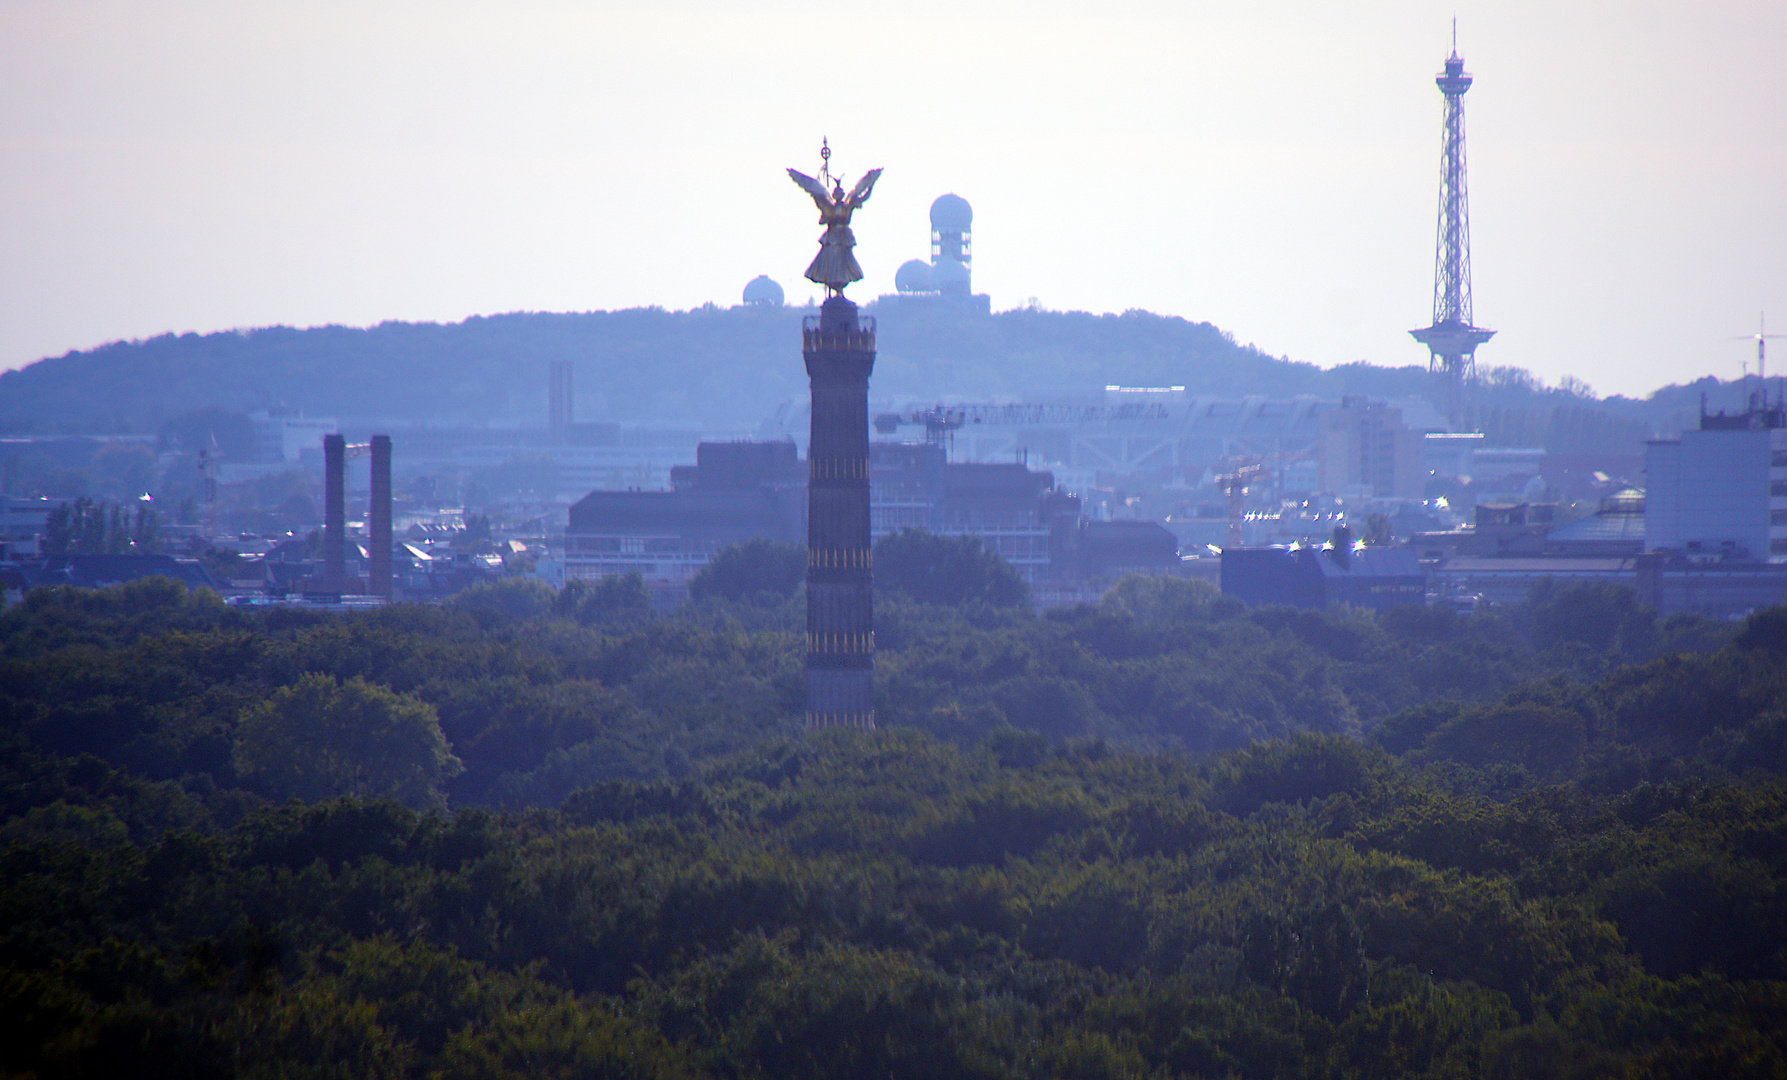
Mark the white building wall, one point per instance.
(1662, 495)
(1777, 495)
(1710, 493)
(22, 526)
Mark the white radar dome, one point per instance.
(763, 290)
(949, 276)
(951, 212)
(914, 275)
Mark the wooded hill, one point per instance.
(723, 369)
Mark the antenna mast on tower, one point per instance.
(1452, 339)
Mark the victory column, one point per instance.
(839, 348)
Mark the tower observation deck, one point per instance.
(1452, 338)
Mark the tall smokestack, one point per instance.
(558, 402)
(378, 570)
(334, 513)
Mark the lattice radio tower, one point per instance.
(1452, 339)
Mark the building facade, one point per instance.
(734, 492)
(1720, 492)
(1317, 577)
(23, 523)
(1365, 448)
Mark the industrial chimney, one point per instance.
(379, 520)
(559, 419)
(334, 513)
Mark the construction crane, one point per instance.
(1235, 483)
(1272, 461)
(939, 421)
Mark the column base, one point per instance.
(840, 697)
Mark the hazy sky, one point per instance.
(1270, 167)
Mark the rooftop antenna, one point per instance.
(1761, 337)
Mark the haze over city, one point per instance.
(469, 610)
(1270, 168)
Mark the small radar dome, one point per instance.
(763, 291)
(951, 212)
(949, 276)
(914, 275)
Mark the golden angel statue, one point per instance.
(835, 266)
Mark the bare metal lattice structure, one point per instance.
(1452, 338)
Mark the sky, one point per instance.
(1268, 166)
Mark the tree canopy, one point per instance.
(1157, 836)
(946, 570)
(319, 739)
(753, 568)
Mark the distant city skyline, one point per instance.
(1270, 168)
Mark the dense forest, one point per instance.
(728, 369)
(538, 834)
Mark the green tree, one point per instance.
(476, 535)
(126, 470)
(145, 529)
(318, 739)
(753, 568)
(512, 598)
(1542, 734)
(223, 431)
(1606, 618)
(1158, 598)
(946, 570)
(1765, 631)
(617, 596)
(85, 527)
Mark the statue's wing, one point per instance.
(812, 187)
(860, 193)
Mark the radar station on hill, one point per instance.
(948, 278)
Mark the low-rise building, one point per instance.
(734, 492)
(23, 523)
(100, 571)
(1111, 549)
(745, 490)
(1319, 577)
